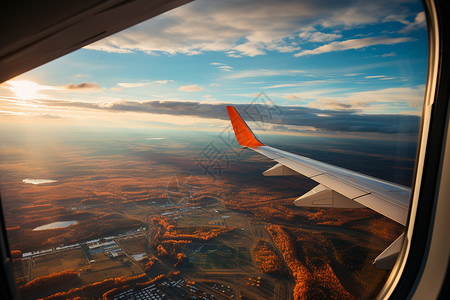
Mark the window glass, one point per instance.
(121, 177)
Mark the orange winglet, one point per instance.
(244, 135)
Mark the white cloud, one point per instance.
(396, 18)
(376, 101)
(81, 75)
(190, 88)
(354, 44)
(319, 36)
(225, 68)
(132, 85)
(419, 22)
(141, 84)
(247, 28)
(209, 98)
(298, 84)
(222, 66)
(291, 97)
(262, 73)
(375, 76)
(389, 54)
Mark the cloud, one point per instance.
(400, 18)
(319, 36)
(389, 54)
(81, 75)
(141, 84)
(375, 76)
(132, 85)
(209, 98)
(225, 68)
(222, 66)
(190, 88)
(82, 86)
(248, 28)
(291, 97)
(354, 44)
(262, 73)
(344, 119)
(298, 84)
(29, 114)
(389, 99)
(419, 22)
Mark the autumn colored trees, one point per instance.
(168, 231)
(314, 279)
(267, 259)
(47, 282)
(147, 263)
(179, 259)
(287, 248)
(97, 288)
(171, 240)
(16, 254)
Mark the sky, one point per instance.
(354, 68)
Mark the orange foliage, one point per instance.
(267, 260)
(147, 263)
(311, 282)
(47, 282)
(150, 282)
(286, 246)
(96, 288)
(171, 239)
(110, 294)
(16, 254)
(160, 251)
(180, 258)
(168, 230)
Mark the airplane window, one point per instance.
(133, 168)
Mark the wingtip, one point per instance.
(244, 135)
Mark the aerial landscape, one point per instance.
(121, 177)
(126, 216)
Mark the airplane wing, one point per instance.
(338, 187)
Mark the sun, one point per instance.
(25, 89)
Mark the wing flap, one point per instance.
(279, 170)
(387, 258)
(322, 196)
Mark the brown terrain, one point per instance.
(233, 234)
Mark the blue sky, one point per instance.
(327, 58)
